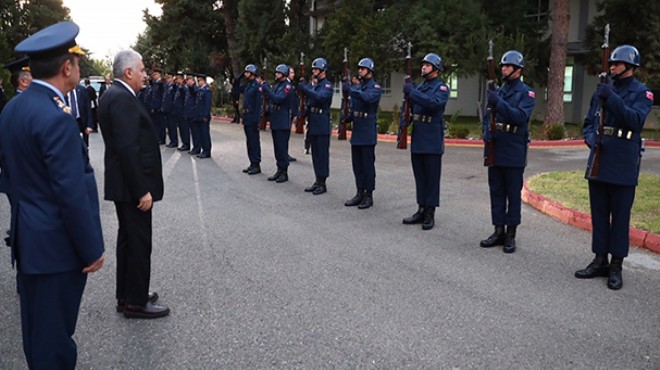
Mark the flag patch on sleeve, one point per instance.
(531, 94)
(649, 95)
(287, 89)
(328, 86)
(377, 86)
(443, 88)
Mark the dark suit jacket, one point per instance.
(84, 108)
(55, 223)
(132, 155)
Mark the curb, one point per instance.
(541, 144)
(639, 238)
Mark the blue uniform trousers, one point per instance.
(49, 311)
(159, 126)
(364, 169)
(205, 136)
(505, 185)
(171, 122)
(281, 147)
(184, 130)
(253, 143)
(195, 130)
(610, 217)
(320, 154)
(427, 169)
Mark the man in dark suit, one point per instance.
(133, 180)
(94, 104)
(104, 86)
(56, 234)
(78, 100)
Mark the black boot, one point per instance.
(510, 239)
(416, 218)
(314, 186)
(321, 188)
(598, 267)
(246, 170)
(276, 175)
(615, 280)
(367, 201)
(255, 169)
(356, 200)
(497, 238)
(283, 177)
(429, 218)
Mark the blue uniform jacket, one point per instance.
(191, 100)
(202, 111)
(156, 95)
(428, 102)
(179, 99)
(279, 98)
(517, 101)
(294, 104)
(626, 109)
(365, 98)
(317, 107)
(55, 223)
(168, 98)
(252, 103)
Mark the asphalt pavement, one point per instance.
(262, 275)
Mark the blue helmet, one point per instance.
(514, 58)
(367, 63)
(283, 69)
(434, 60)
(625, 54)
(320, 63)
(252, 69)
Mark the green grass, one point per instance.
(571, 190)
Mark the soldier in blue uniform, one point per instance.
(179, 110)
(156, 105)
(627, 103)
(365, 98)
(513, 104)
(317, 110)
(20, 74)
(169, 90)
(427, 107)
(279, 98)
(202, 115)
(56, 234)
(189, 113)
(251, 114)
(295, 108)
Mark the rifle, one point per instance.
(341, 135)
(300, 125)
(489, 159)
(264, 108)
(595, 165)
(403, 131)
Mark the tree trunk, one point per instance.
(230, 28)
(558, 50)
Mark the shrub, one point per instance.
(554, 131)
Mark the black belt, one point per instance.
(617, 132)
(363, 114)
(422, 118)
(275, 107)
(317, 110)
(506, 127)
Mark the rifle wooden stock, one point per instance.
(341, 135)
(264, 104)
(595, 165)
(403, 135)
(489, 160)
(300, 126)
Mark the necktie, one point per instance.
(74, 103)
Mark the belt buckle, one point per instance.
(499, 126)
(608, 130)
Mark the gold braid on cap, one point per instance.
(76, 50)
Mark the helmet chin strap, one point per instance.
(433, 69)
(618, 75)
(506, 77)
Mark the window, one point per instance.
(538, 10)
(568, 84)
(452, 82)
(386, 85)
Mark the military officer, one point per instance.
(156, 104)
(279, 98)
(178, 112)
(427, 105)
(317, 110)
(20, 74)
(169, 90)
(202, 115)
(56, 233)
(513, 104)
(189, 114)
(365, 98)
(251, 113)
(626, 103)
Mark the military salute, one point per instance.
(625, 104)
(427, 102)
(178, 111)
(317, 110)
(513, 104)
(365, 98)
(202, 115)
(156, 105)
(169, 90)
(189, 113)
(279, 98)
(251, 113)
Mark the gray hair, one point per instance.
(128, 58)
